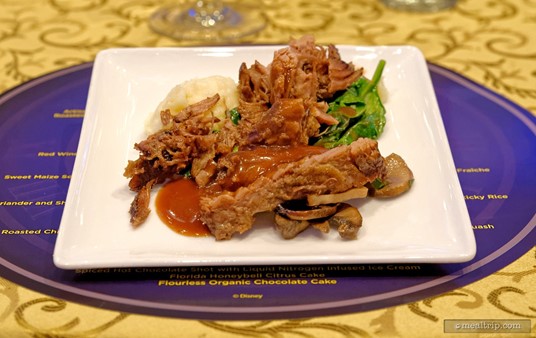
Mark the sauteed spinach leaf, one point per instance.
(359, 110)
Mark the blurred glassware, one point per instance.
(420, 5)
(207, 20)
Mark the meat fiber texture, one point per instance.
(227, 213)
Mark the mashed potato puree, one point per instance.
(193, 91)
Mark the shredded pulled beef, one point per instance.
(163, 155)
(281, 105)
(303, 71)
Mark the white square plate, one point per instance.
(429, 224)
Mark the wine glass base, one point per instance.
(231, 23)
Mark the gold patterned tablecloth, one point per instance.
(490, 42)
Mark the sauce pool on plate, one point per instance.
(177, 202)
(177, 205)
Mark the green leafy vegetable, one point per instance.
(377, 184)
(235, 116)
(186, 172)
(359, 110)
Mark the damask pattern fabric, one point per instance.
(492, 42)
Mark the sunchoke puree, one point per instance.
(177, 205)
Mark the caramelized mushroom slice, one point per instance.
(292, 217)
(322, 226)
(348, 220)
(289, 228)
(313, 200)
(299, 211)
(397, 180)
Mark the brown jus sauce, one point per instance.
(177, 202)
(249, 165)
(177, 205)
